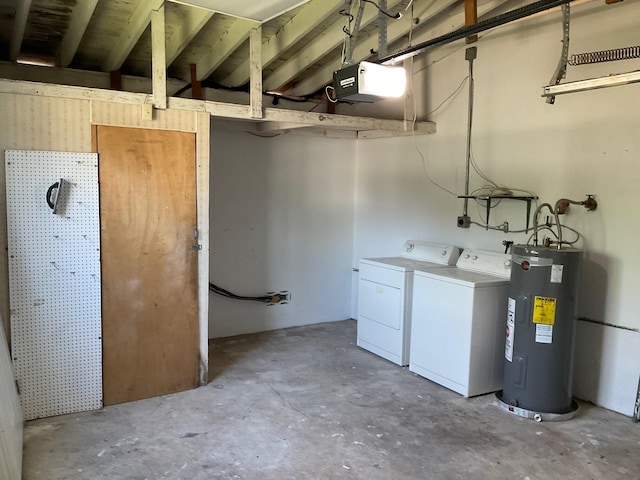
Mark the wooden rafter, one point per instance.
(314, 13)
(131, 33)
(19, 25)
(192, 21)
(223, 47)
(77, 26)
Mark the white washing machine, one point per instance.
(458, 322)
(384, 306)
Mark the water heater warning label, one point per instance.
(544, 333)
(544, 310)
(511, 330)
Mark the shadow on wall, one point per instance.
(587, 369)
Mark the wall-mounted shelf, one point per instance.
(488, 198)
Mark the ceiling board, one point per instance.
(249, 9)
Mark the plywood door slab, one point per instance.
(149, 269)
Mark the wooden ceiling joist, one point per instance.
(19, 25)
(223, 47)
(193, 20)
(77, 26)
(132, 32)
(314, 13)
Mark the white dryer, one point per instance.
(384, 306)
(458, 324)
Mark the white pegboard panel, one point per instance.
(54, 281)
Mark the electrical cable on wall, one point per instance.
(270, 299)
(226, 293)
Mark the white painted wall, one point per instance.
(10, 417)
(281, 218)
(585, 143)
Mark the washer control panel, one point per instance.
(484, 261)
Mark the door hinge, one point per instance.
(196, 246)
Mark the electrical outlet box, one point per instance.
(464, 221)
(280, 297)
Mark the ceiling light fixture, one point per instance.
(368, 82)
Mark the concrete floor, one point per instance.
(306, 403)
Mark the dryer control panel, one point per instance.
(430, 252)
(484, 261)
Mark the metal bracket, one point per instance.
(352, 37)
(382, 29)
(561, 69)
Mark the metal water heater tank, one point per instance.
(540, 332)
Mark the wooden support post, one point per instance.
(158, 59)
(196, 86)
(255, 72)
(409, 103)
(116, 80)
(471, 17)
(331, 107)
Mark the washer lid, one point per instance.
(430, 252)
(461, 277)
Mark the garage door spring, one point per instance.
(625, 53)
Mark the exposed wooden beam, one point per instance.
(419, 128)
(224, 46)
(322, 120)
(396, 30)
(255, 63)
(80, 18)
(196, 86)
(192, 20)
(280, 126)
(158, 59)
(19, 25)
(131, 33)
(37, 89)
(314, 13)
(67, 76)
(115, 80)
(329, 40)
(217, 109)
(471, 17)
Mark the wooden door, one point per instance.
(149, 266)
